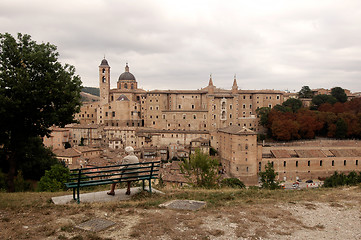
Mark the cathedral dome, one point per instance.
(126, 75)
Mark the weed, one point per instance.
(67, 228)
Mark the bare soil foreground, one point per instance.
(229, 214)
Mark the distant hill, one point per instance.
(87, 97)
(92, 90)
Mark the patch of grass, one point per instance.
(67, 228)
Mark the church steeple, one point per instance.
(210, 81)
(126, 67)
(210, 87)
(235, 86)
(104, 81)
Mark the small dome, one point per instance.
(104, 62)
(126, 75)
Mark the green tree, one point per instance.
(341, 129)
(36, 92)
(268, 177)
(36, 158)
(293, 103)
(54, 179)
(281, 108)
(339, 94)
(201, 169)
(305, 92)
(263, 115)
(320, 99)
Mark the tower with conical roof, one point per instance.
(210, 86)
(104, 81)
(235, 86)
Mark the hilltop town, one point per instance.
(171, 124)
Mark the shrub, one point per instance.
(54, 179)
(20, 184)
(201, 169)
(268, 177)
(340, 179)
(232, 183)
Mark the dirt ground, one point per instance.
(333, 216)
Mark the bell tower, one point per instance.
(104, 81)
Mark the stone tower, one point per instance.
(104, 81)
(235, 86)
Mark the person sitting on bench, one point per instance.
(131, 158)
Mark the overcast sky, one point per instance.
(178, 44)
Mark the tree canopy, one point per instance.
(293, 103)
(320, 99)
(201, 169)
(268, 177)
(36, 92)
(305, 92)
(339, 94)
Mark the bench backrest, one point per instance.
(124, 172)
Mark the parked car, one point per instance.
(309, 181)
(295, 185)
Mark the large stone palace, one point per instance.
(172, 123)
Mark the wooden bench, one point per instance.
(94, 176)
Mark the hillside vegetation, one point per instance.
(91, 90)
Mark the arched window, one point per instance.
(125, 86)
(103, 70)
(132, 86)
(103, 79)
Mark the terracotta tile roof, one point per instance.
(234, 129)
(281, 153)
(82, 149)
(69, 152)
(310, 153)
(346, 152)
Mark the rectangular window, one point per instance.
(356, 162)
(113, 114)
(244, 105)
(284, 163)
(320, 163)
(333, 163)
(309, 163)
(296, 163)
(344, 162)
(192, 106)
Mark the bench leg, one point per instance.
(74, 194)
(150, 185)
(77, 193)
